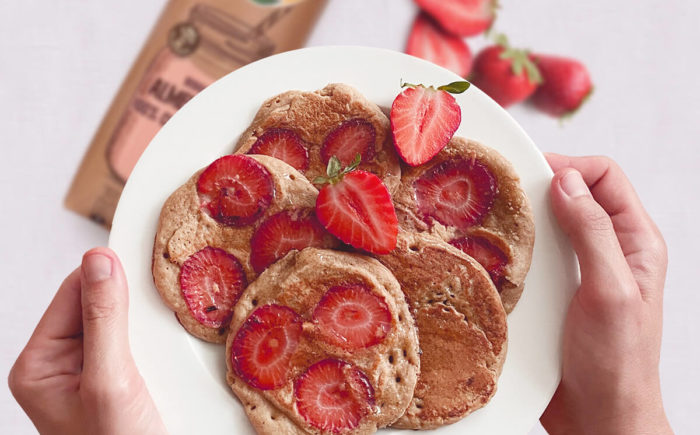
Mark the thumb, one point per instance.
(104, 298)
(604, 271)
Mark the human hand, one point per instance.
(612, 336)
(76, 374)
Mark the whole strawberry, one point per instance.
(461, 17)
(356, 207)
(565, 86)
(430, 42)
(506, 74)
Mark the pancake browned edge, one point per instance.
(312, 115)
(462, 329)
(509, 224)
(298, 281)
(184, 229)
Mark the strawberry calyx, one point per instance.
(521, 60)
(453, 88)
(335, 171)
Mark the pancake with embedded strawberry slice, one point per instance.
(222, 228)
(323, 342)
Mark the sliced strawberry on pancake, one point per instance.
(352, 317)
(235, 190)
(211, 281)
(283, 144)
(456, 192)
(333, 395)
(352, 137)
(284, 231)
(486, 253)
(264, 346)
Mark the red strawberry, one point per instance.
(211, 281)
(333, 395)
(486, 253)
(352, 317)
(456, 192)
(264, 346)
(283, 144)
(424, 119)
(235, 190)
(352, 137)
(284, 231)
(461, 17)
(565, 85)
(506, 74)
(356, 207)
(430, 42)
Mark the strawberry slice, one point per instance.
(430, 42)
(211, 281)
(333, 395)
(352, 317)
(456, 192)
(566, 84)
(423, 120)
(352, 137)
(284, 231)
(235, 190)
(283, 144)
(487, 254)
(264, 346)
(355, 206)
(506, 74)
(461, 17)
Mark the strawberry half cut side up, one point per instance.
(333, 396)
(264, 346)
(456, 192)
(211, 280)
(352, 317)
(283, 144)
(352, 137)
(461, 17)
(428, 41)
(487, 254)
(424, 119)
(235, 190)
(284, 231)
(356, 207)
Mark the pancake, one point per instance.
(502, 238)
(312, 116)
(462, 329)
(299, 281)
(185, 228)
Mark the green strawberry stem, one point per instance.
(453, 88)
(335, 172)
(520, 59)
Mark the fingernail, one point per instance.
(573, 185)
(98, 267)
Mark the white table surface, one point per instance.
(63, 62)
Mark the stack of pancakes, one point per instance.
(444, 353)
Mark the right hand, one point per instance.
(612, 337)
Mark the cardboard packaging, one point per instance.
(194, 43)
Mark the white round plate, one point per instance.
(186, 376)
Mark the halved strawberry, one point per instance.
(424, 119)
(461, 17)
(486, 253)
(352, 137)
(235, 190)
(430, 42)
(352, 317)
(333, 395)
(211, 280)
(283, 144)
(356, 208)
(264, 346)
(284, 231)
(456, 192)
